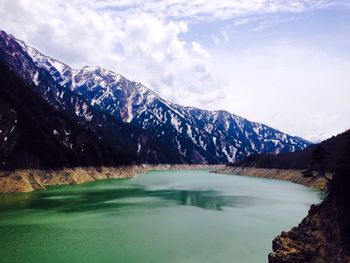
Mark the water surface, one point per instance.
(168, 216)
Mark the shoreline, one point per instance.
(317, 238)
(291, 175)
(295, 245)
(28, 180)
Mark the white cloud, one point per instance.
(221, 37)
(143, 47)
(151, 42)
(225, 36)
(199, 10)
(301, 91)
(199, 50)
(215, 39)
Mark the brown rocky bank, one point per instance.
(27, 180)
(292, 175)
(317, 239)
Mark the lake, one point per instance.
(162, 216)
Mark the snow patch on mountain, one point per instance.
(199, 135)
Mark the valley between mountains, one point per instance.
(61, 126)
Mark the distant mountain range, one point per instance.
(126, 117)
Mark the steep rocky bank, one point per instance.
(292, 175)
(317, 239)
(30, 180)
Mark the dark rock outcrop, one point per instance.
(319, 238)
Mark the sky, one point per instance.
(284, 63)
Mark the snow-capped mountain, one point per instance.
(199, 136)
(120, 143)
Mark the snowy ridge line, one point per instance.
(198, 135)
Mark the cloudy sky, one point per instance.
(285, 63)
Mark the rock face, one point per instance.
(30, 180)
(317, 239)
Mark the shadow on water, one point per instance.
(92, 199)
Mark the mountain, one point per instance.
(334, 148)
(199, 136)
(34, 134)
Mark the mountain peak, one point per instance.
(198, 135)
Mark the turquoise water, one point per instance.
(168, 216)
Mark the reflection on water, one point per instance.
(205, 199)
(104, 199)
(180, 216)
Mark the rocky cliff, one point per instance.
(324, 234)
(319, 238)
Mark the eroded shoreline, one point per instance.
(318, 237)
(300, 243)
(28, 180)
(291, 175)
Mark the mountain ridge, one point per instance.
(44, 124)
(199, 136)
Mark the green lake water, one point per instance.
(167, 216)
